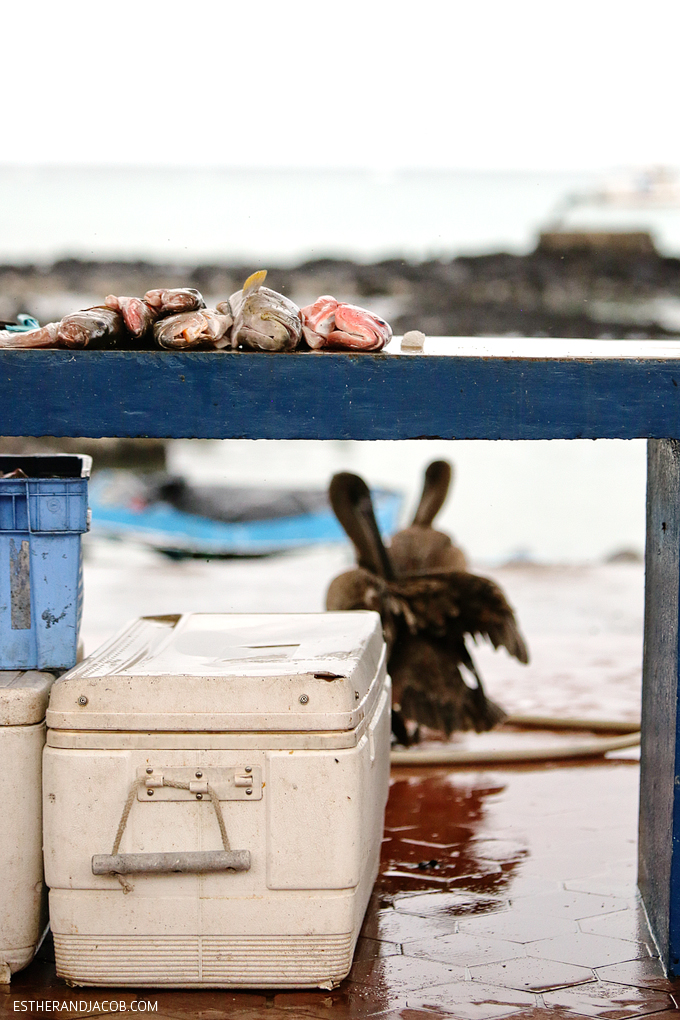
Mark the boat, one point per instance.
(638, 191)
(182, 519)
(655, 187)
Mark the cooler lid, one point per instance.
(23, 696)
(225, 672)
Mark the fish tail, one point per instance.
(254, 281)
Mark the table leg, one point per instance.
(659, 846)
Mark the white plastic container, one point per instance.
(284, 720)
(23, 914)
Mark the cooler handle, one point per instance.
(192, 862)
(165, 863)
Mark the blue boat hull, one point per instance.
(166, 528)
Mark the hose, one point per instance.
(586, 747)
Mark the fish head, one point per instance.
(361, 328)
(268, 324)
(320, 316)
(249, 288)
(263, 318)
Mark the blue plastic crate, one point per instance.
(41, 578)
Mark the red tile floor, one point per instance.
(502, 893)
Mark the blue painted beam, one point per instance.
(336, 396)
(659, 820)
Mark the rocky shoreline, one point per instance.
(577, 293)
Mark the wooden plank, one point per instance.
(659, 825)
(542, 348)
(336, 396)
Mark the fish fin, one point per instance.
(254, 281)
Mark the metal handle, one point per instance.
(190, 863)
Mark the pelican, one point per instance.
(426, 617)
(419, 547)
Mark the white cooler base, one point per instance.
(218, 961)
(16, 958)
(238, 960)
(23, 906)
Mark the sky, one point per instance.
(363, 83)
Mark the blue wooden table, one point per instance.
(477, 389)
(455, 389)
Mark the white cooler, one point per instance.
(23, 917)
(214, 794)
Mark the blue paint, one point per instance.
(659, 860)
(41, 521)
(338, 396)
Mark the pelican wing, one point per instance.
(456, 603)
(429, 687)
(361, 589)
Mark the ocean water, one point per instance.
(275, 216)
(286, 216)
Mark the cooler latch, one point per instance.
(235, 783)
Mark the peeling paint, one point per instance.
(20, 585)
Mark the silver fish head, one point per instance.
(192, 329)
(264, 319)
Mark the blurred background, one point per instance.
(468, 169)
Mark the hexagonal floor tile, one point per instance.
(575, 864)
(399, 926)
(471, 1000)
(347, 1002)
(605, 885)
(368, 949)
(519, 926)
(532, 974)
(615, 1002)
(537, 1013)
(499, 849)
(532, 885)
(413, 1014)
(448, 904)
(403, 973)
(587, 950)
(665, 1014)
(641, 973)
(464, 950)
(569, 904)
(622, 924)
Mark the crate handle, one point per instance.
(18, 493)
(192, 862)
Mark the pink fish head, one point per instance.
(321, 315)
(359, 329)
(318, 321)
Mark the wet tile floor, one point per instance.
(502, 893)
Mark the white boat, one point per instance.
(656, 187)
